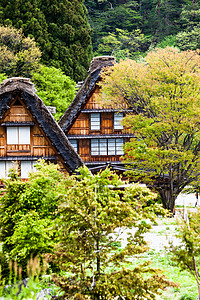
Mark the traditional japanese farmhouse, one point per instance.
(95, 132)
(29, 132)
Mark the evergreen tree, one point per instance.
(106, 16)
(60, 27)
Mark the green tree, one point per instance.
(27, 212)
(93, 218)
(54, 88)
(161, 18)
(164, 94)
(60, 28)
(123, 44)
(190, 16)
(186, 254)
(186, 40)
(170, 41)
(106, 16)
(19, 55)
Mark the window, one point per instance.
(95, 121)
(118, 117)
(5, 166)
(74, 144)
(111, 147)
(107, 146)
(18, 135)
(119, 144)
(23, 166)
(27, 167)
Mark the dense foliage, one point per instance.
(186, 254)
(27, 211)
(19, 55)
(81, 220)
(158, 21)
(54, 88)
(163, 92)
(60, 28)
(93, 221)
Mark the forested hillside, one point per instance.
(49, 39)
(60, 28)
(127, 28)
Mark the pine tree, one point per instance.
(60, 27)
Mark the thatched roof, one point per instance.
(85, 91)
(26, 91)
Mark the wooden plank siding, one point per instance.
(100, 158)
(40, 145)
(92, 102)
(82, 127)
(17, 113)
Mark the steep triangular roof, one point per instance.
(85, 91)
(24, 88)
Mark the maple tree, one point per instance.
(163, 92)
(94, 216)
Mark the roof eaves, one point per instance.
(79, 101)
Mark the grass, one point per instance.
(187, 289)
(187, 283)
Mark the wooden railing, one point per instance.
(100, 158)
(18, 148)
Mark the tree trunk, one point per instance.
(98, 259)
(168, 200)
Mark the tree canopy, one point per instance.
(19, 55)
(159, 21)
(54, 88)
(163, 92)
(79, 221)
(60, 28)
(27, 213)
(94, 215)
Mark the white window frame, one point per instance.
(17, 135)
(27, 166)
(94, 146)
(107, 146)
(119, 146)
(118, 117)
(5, 166)
(95, 121)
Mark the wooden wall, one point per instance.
(39, 145)
(85, 152)
(82, 127)
(82, 124)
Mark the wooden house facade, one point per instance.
(29, 132)
(95, 132)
